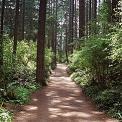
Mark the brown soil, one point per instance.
(61, 101)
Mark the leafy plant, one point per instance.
(96, 67)
(5, 116)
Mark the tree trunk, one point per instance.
(1, 41)
(86, 19)
(71, 23)
(66, 36)
(90, 16)
(40, 74)
(16, 28)
(94, 9)
(55, 38)
(81, 18)
(109, 4)
(115, 18)
(75, 19)
(66, 45)
(23, 20)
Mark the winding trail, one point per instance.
(61, 101)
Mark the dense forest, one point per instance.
(86, 35)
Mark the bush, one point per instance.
(22, 95)
(80, 77)
(24, 67)
(5, 116)
(25, 64)
(92, 90)
(107, 98)
(97, 68)
(20, 75)
(19, 92)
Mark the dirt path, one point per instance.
(61, 101)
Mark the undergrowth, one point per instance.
(96, 67)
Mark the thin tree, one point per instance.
(66, 37)
(40, 73)
(81, 18)
(16, 28)
(55, 34)
(1, 40)
(71, 24)
(75, 19)
(115, 18)
(23, 20)
(94, 9)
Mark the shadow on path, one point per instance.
(61, 101)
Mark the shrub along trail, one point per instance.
(61, 101)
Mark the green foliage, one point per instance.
(22, 94)
(104, 12)
(104, 17)
(20, 75)
(19, 92)
(93, 57)
(48, 60)
(5, 116)
(32, 86)
(92, 91)
(80, 77)
(24, 67)
(116, 43)
(76, 60)
(106, 99)
(97, 68)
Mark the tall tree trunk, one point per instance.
(53, 45)
(71, 23)
(94, 16)
(115, 18)
(40, 73)
(66, 36)
(90, 16)
(94, 9)
(55, 38)
(109, 4)
(1, 41)
(54, 34)
(16, 28)
(86, 18)
(81, 18)
(75, 19)
(23, 20)
(49, 30)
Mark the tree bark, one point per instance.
(16, 28)
(81, 18)
(40, 73)
(94, 9)
(1, 41)
(23, 20)
(75, 19)
(71, 22)
(115, 18)
(55, 38)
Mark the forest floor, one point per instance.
(61, 101)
